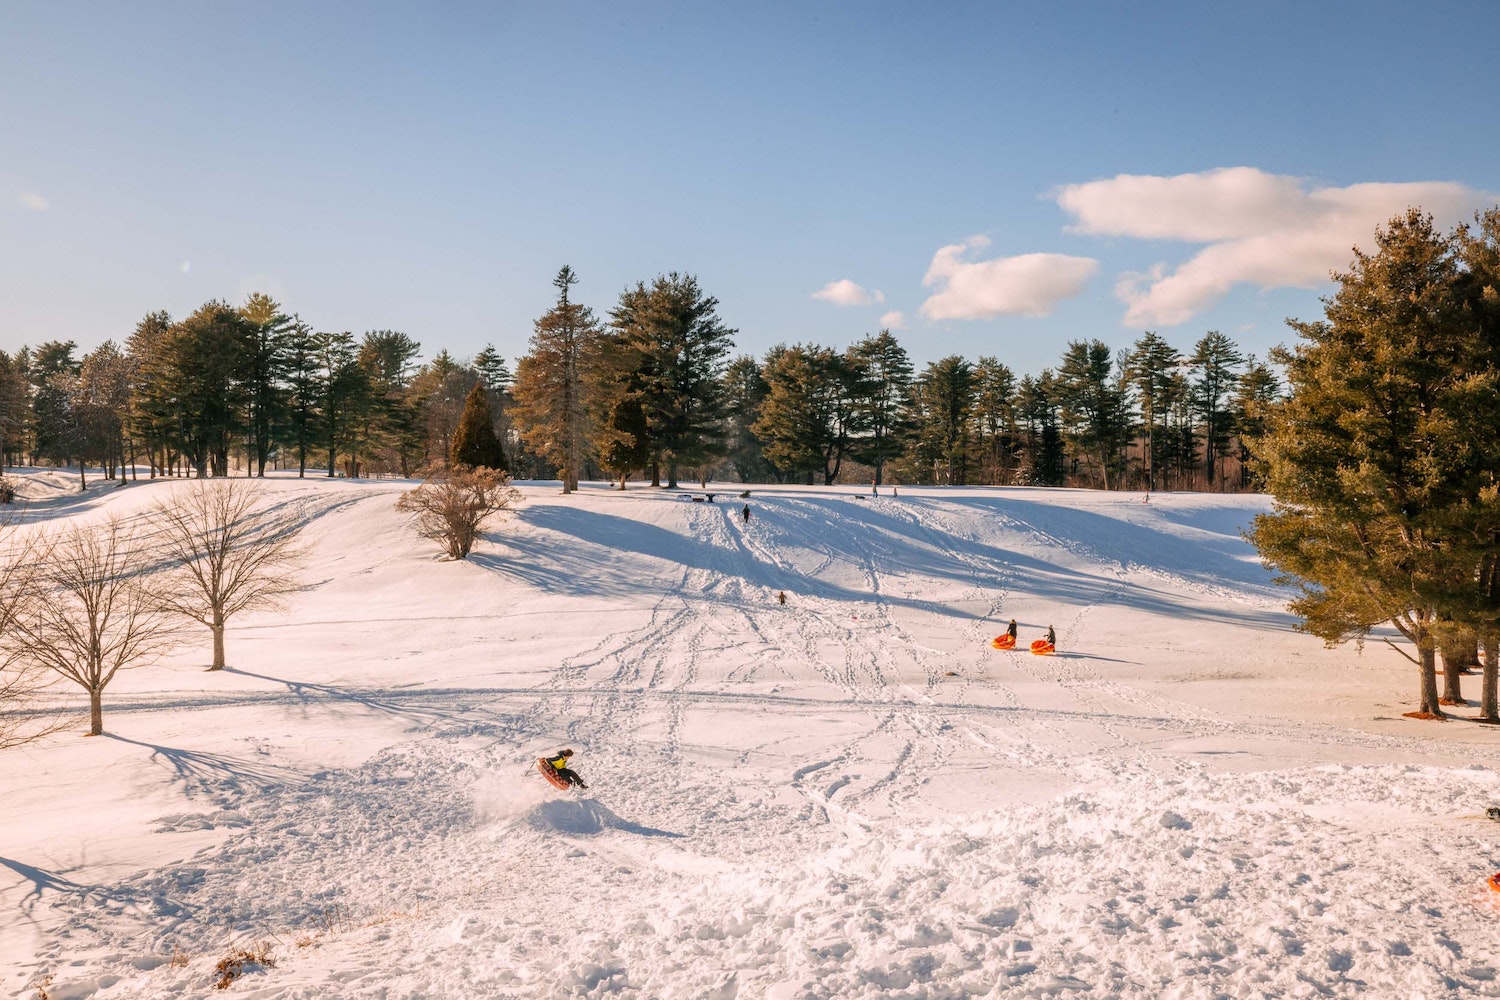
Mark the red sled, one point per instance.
(550, 773)
(1004, 642)
(1041, 647)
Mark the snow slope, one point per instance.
(851, 795)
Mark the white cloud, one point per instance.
(33, 201)
(893, 320)
(1029, 285)
(846, 293)
(1263, 229)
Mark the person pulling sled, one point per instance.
(559, 764)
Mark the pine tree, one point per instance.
(475, 445)
(1095, 407)
(942, 408)
(1150, 368)
(1216, 361)
(1037, 412)
(152, 403)
(265, 392)
(1381, 458)
(882, 371)
(680, 345)
(995, 418)
(805, 421)
(554, 381)
(493, 369)
(745, 391)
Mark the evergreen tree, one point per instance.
(305, 390)
(745, 392)
(53, 369)
(1216, 361)
(995, 418)
(942, 407)
(1151, 368)
(553, 383)
(390, 422)
(882, 371)
(1039, 413)
(680, 344)
(493, 369)
(15, 409)
(475, 445)
(345, 391)
(1381, 459)
(266, 331)
(153, 405)
(1257, 391)
(1095, 408)
(206, 359)
(805, 421)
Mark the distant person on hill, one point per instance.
(1051, 637)
(874, 488)
(781, 598)
(746, 513)
(560, 762)
(1010, 629)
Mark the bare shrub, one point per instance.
(256, 958)
(230, 556)
(96, 609)
(452, 507)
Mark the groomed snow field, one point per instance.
(849, 795)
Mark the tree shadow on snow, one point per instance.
(582, 552)
(212, 773)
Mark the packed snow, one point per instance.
(849, 795)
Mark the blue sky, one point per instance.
(989, 178)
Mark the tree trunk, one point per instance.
(1428, 661)
(96, 711)
(1453, 666)
(218, 628)
(1487, 696)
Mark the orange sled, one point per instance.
(1041, 647)
(1494, 881)
(1004, 642)
(550, 773)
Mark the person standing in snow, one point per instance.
(746, 513)
(781, 598)
(1051, 637)
(1010, 629)
(560, 762)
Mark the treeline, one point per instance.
(650, 389)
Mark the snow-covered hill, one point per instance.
(848, 795)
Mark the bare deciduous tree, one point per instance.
(230, 556)
(21, 680)
(452, 508)
(97, 610)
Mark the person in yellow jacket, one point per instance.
(560, 762)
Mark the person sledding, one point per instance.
(559, 764)
(1047, 646)
(1010, 630)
